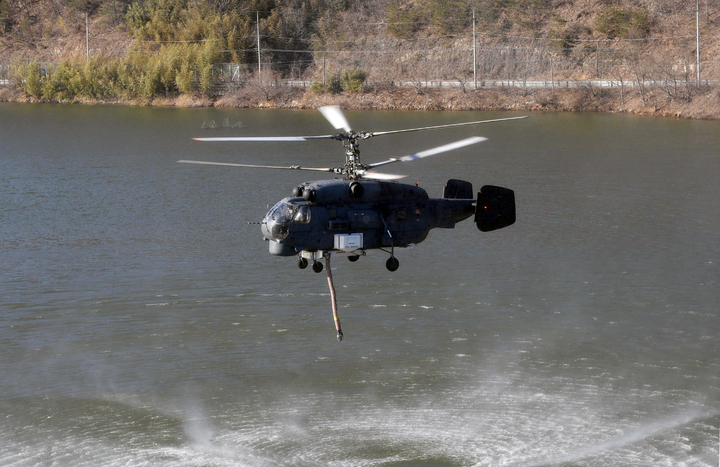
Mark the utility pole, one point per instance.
(258, 40)
(597, 51)
(474, 52)
(87, 39)
(697, 40)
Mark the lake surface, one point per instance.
(143, 321)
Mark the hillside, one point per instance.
(162, 49)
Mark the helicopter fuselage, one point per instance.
(357, 215)
(364, 210)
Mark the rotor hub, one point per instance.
(351, 140)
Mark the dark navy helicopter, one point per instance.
(362, 210)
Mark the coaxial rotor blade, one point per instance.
(292, 167)
(335, 116)
(380, 176)
(378, 133)
(431, 152)
(266, 138)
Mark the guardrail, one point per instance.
(522, 84)
(535, 84)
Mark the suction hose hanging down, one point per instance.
(332, 297)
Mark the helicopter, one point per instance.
(360, 209)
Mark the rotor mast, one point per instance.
(353, 168)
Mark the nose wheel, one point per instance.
(303, 263)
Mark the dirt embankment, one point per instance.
(703, 104)
(693, 103)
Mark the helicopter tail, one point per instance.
(495, 208)
(458, 189)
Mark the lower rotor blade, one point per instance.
(266, 138)
(292, 167)
(381, 176)
(335, 116)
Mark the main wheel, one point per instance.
(317, 266)
(302, 263)
(353, 258)
(392, 264)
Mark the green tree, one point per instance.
(33, 83)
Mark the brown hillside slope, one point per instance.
(648, 47)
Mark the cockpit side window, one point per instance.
(302, 216)
(271, 212)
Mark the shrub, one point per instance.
(185, 79)
(404, 20)
(6, 19)
(448, 16)
(623, 23)
(566, 39)
(57, 84)
(318, 87)
(99, 74)
(354, 81)
(333, 85)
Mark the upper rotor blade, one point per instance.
(431, 152)
(378, 133)
(266, 138)
(292, 167)
(336, 117)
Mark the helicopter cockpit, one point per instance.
(277, 221)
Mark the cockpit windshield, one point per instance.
(285, 213)
(281, 213)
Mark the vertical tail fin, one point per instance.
(495, 208)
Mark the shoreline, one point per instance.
(704, 105)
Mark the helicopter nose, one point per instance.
(273, 230)
(279, 231)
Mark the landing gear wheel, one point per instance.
(317, 266)
(353, 258)
(392, 264)
(302, 263)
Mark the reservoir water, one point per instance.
(143, 321)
